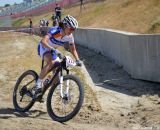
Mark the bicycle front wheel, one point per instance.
(64, 108)
(24, 90)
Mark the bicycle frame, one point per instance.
(61, 90)
(59, 66)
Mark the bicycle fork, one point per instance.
(66, 92)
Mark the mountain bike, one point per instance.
(65, 96)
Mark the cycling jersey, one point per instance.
(55, 37)
(55, 40)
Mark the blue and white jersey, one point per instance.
(56, 39)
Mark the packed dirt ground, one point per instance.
(113, 100)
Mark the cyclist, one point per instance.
(57, 36)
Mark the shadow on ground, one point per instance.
(6, 113)
(105, 73)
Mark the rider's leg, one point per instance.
(59, 17)
(45, 70)
(48, 66)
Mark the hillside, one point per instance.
(141, 16)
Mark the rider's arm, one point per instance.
(73, 50)
(45, 42)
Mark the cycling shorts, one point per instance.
(42, 51)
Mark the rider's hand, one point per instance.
(58, 53)
(78, 63)
(53, 50)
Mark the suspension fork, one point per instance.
(67, 83)
(61, 84)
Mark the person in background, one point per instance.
(30, 26)
(81, 5)
(42, 25)
(58, 12)
(47, 23)
(54, 20)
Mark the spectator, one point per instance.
(53, 17)
(54, 20)
(30, 26)
(58, 12)
(42, 25)
(47, 23)
(81, 4)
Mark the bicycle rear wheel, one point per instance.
(24, 90)
(63, 109)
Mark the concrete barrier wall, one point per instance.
(138, 54)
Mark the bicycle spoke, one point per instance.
(68, 103)
(24, 90)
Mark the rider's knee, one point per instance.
(50, 64)
(53, 62)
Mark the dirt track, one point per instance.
(113, 102)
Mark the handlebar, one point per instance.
(61, 56)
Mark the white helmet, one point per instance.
(70, 21)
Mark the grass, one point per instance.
(126, 15)
(154, 25)
(18, 22)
